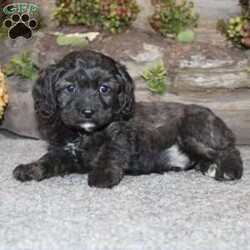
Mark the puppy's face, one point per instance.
(88, 97)
(86, 91)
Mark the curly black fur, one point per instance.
(86, 110)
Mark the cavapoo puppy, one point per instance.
(86, 111)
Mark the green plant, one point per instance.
(3, 32)
(77, 12)
(112, 15)
(169, 19)
(238, 31)
(117, 14)
(155, 77)
(186, 36)
(21, 65)
(71, 39)
(248, 69)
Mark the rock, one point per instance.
(199, 61)
(90, 36)
(150, 53)
(134, 68)
(46, 51)
(41, 59)
(202, 81)
(142, 61)
(204, 74)
(213, 9)
(146, 10)
(47, 9)
(39, 56)
(10, 48)
(20, 116)
(247, 53)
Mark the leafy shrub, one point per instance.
(21, 65)
(238, 31)
(171, 19)
(77, 12)
(245, 13)
(155, 77)
(112, 15)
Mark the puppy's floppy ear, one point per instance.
(44, 93)
(126, 95)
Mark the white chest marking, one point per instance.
(177, 158)
(88, 126)
(71, 147)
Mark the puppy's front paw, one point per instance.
(28, 172)
(105, 178)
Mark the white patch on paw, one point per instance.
(177, 158)
(88, 126)
(227, 177)
(211, 171)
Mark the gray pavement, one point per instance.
(171, 211)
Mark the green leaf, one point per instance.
(155, 77)
(8, 69)
(174, 18)
(186, 36)
(95, 13)
(21, 66)
(71, 39)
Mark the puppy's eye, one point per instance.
(104, 89)
(71, 88)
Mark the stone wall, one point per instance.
(146, 10)
(213, 9)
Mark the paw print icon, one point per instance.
(20, 26)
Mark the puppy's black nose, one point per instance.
(88, 112)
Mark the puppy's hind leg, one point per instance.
(207, 139)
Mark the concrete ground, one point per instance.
(178, 211)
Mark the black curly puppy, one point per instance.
(87, 113)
